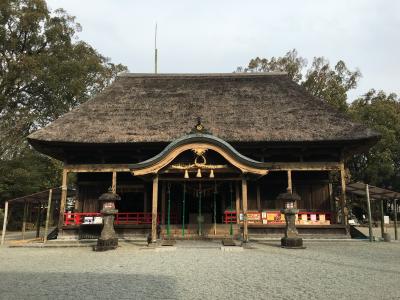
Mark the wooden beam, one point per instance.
(100, 168)
(258, 197)
(114, 182)
(64, 190)
(169, 157)
(244, 203)
(302, 166)
(154, 210)
(3, 233)
(237, 189)
(271, 166)
(46, 228)
(198, 179)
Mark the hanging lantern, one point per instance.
(212, 173)
(198, 175)
(186, 174)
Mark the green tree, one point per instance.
(30, 173)
(331, 84)
(381, 165)
(45, 71)
(291, 63)
(321, 80)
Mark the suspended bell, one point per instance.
(212, 173)
(198, 175)
(186, 174)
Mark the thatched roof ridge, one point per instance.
(236, 107)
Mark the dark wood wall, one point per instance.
(313, 188)
(131, 189)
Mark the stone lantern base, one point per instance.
(108, 244)
(108, 239)
(292, 242)
(291, 238)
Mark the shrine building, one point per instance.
(204, 156)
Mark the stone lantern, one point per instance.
(108, 239)
(291, 238)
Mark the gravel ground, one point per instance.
(200, 270)
(376, 231)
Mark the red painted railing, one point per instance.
(230, 216)
(77, 218)
(120, 218)
(133, 218)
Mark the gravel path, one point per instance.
(325, 270)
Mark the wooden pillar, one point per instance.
(258, 197)
(114, 182)
(382, 219)
(154, 210)
(3, 233)
(332, 202)
(39, 219)
(395, 219)
(244, 203)
(64, 190)
(163, 191)
(289, 181)
(343, 195)
(46, 228)
(237, 190)
(24, 219)
(371, 237)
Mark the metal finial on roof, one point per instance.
(199, 128)
(155, 50)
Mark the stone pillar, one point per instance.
(108, 240)
(291, 238)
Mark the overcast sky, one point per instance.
(217, 36)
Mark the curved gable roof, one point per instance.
(206, 141)
(255, 107)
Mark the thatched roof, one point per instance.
(265, 107)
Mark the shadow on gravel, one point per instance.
(269, 244)
(21, 285)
